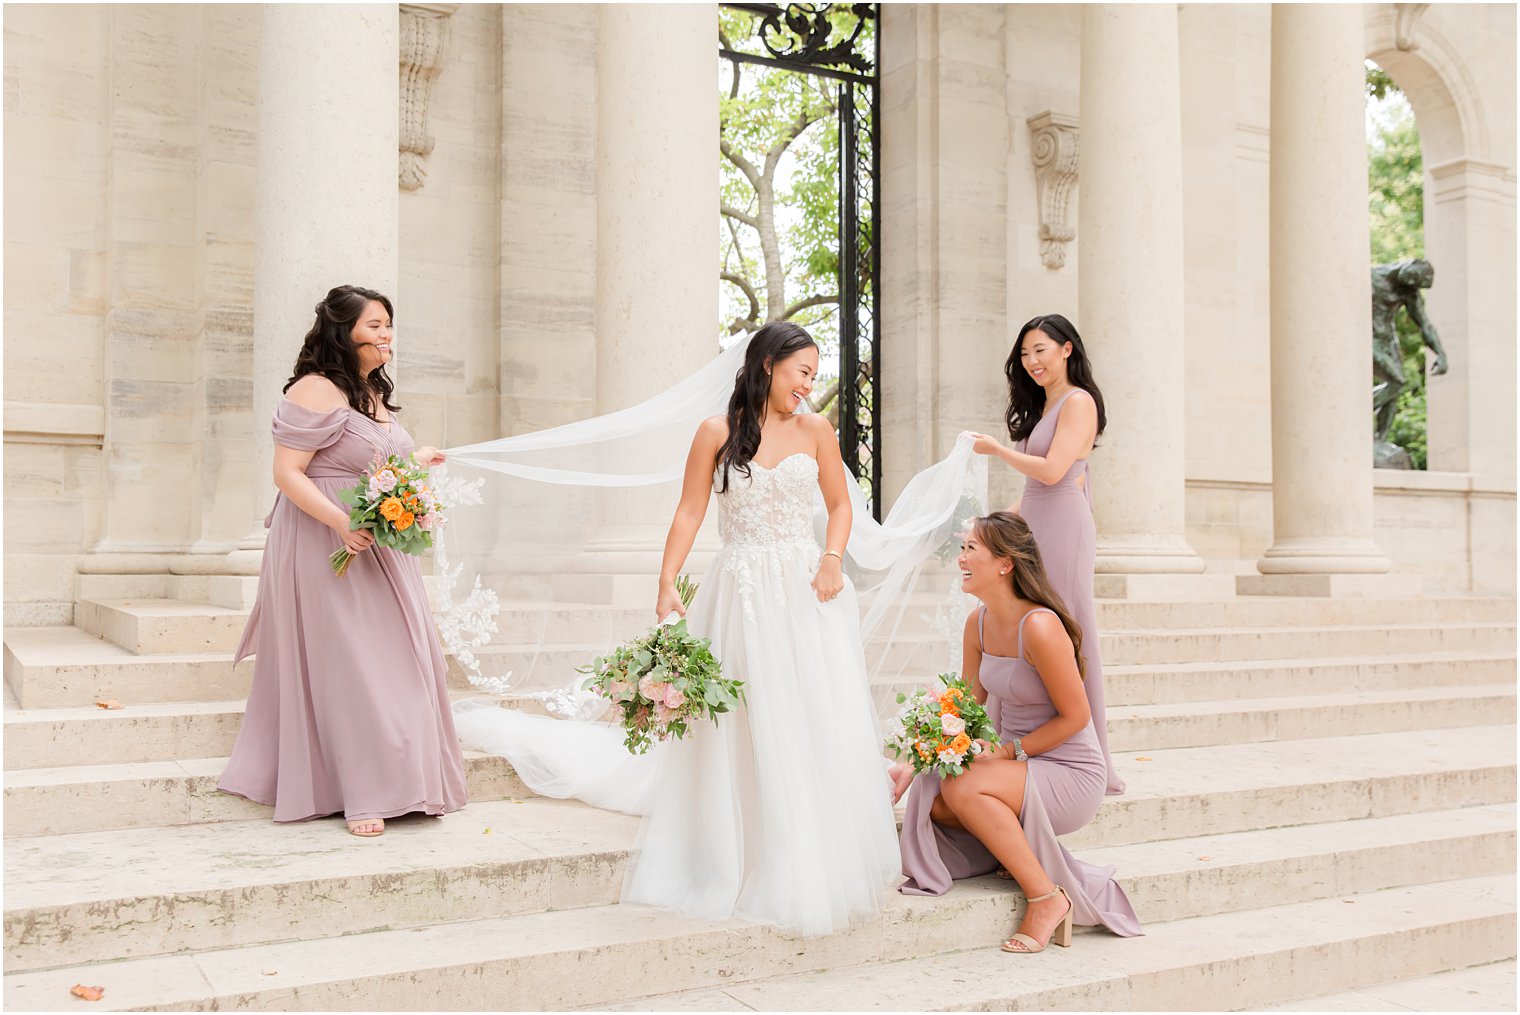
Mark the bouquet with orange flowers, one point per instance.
(392, 500)
(940, 732)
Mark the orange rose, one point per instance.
(391, 509)
(961, 744)
(948, 708)
(405, 521)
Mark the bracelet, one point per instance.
(833, 553)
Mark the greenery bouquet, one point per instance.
(663, 681)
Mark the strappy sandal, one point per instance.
(1061, 935)
(366, 821)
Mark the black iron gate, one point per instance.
(802, 37)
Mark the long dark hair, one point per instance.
(773, 343)
(329, 350)
(1007, 536)
(1026, 399)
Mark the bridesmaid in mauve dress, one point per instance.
(1055, 414)
(349, 709)
(1045, 779)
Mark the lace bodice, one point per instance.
(771, 506)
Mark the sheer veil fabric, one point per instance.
(781, 812)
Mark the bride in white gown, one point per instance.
(781, 810)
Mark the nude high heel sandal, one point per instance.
(1061, 935)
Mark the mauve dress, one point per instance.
(349, 709)
(1060, 516)
(1063, 789)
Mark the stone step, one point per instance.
(600, 955)
(1488, 987)
(159, 891)
(44, 738)
(1173, 793)
(47, 667)
(78, 798)
(1229, 961)
(1176, 683)
(535, 668)
(153, 626)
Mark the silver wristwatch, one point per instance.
(1018, 750)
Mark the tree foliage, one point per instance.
(779, 171)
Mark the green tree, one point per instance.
(1396, 215)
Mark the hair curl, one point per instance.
(329, 351)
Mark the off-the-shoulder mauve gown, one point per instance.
(349, 709)
(1063, 789)
(1060, 516)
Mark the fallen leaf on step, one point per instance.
(1142, 759)
(1205, 858)
(485, 831)
(88, 993)
(110, 703)
(270, 972)
(1349, 902)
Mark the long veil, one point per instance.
(575, 516)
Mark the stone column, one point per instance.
(1320, 300)
(656, 198)
(326, 195)
(1129, 285)
(656, 244)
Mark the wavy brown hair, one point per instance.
(328, 350)
(1007, 537)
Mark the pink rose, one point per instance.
(952, 725)
(673, 697)
(425, 523)
(618, 688)
(664, 715)
(652, 689)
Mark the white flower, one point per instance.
(976, 748)
(952, 725)
(949, 757)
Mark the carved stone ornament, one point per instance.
(1403, 25)
(423, 33)
(1054, 152)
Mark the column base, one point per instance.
(1190, 588)
(1135, 554)
(1306, 555)
(1331, 586)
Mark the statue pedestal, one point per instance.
(1387, 455)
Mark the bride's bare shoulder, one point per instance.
(713, 428)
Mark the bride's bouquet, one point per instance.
(940, 733)
(664, 680)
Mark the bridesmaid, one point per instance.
(349, 709)
(1046, 778)
(1055, 417)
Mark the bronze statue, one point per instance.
(1394, 286)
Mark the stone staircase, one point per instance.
(1321, 799)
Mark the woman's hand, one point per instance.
(829, 579)
(358, 540)
(987, 749)
(668, 602)
(986, 445)
(427, 457)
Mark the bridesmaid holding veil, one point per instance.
(1055, 417)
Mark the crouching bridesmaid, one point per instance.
(1045, 779)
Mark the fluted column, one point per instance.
(1129, 284)
(656, 198)
(1322, 514)
(326, 194)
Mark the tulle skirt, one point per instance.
(781, 811)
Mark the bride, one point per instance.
(780, 811)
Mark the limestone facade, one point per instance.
(133, 426)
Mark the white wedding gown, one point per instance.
(781, 811)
